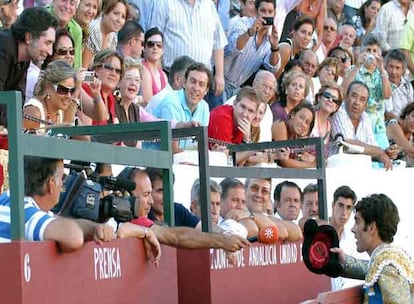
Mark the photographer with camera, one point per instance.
(370, 69)
(253, 42)
(43, 184)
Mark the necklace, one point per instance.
(48, 115)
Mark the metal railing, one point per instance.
(21, 145)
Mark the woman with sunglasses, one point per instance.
(294, 89)
(344, 59)
(154, 78)
(298, 125)
(301, 37)
(327, 102)
(53, 95)
(108, 68)
(401, 133)
(103, 31)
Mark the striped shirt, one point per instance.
(390, 23)
(35, 219)
(401, 96)
(94, 42)
(194, 31)
(239, 65)
(341, 123)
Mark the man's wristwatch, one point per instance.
(250, 33)
(274, 50)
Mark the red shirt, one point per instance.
(110, 103)
(222, 125)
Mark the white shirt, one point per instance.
(195, 31)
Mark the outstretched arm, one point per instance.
(184, 237)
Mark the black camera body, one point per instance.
(268, 20)
(82, 197)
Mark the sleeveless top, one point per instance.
(155, 88)
(39, 105)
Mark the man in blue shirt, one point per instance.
(43, 184)
(188, 104)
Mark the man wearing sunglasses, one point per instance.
(8, 13)
(31, 39)
(328, 38)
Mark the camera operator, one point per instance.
(43, 183)
(127, 230)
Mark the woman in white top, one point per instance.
(53, 95)
(103, 31)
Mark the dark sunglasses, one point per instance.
(63, 52)
(343, 59)
(111, 68)
(62, 90)
(151, 44)
(328, 95)
(330, 28)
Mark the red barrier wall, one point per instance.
(263, 274)
(115, 273)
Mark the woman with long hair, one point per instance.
(301, 37)
(366, 18)
(103, 31)
(154, 78)
(298, 125)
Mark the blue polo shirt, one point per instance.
(174, 107)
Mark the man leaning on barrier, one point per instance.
(182, 237)
(43, 184)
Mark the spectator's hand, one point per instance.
(96, 88)
(234, 242)
(79, 77)
(219, 84)
(341, 255)
(274, 37)
(281, 154)
(231, 257)
(103, 233)
(257, 26)
(244, 127)
(393, 151)
(380, 62)
(307, 157)
(237, 214)
(189, 124)
(219, 148)
(152, 247)
(384, 158)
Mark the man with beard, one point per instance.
(31, 38)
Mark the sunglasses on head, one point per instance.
(63, 52)
(328, 95)
(62, 90)
(154, 43)
(111, 68)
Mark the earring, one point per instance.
(47, 97)
(117, 94)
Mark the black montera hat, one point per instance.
(318, 240)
